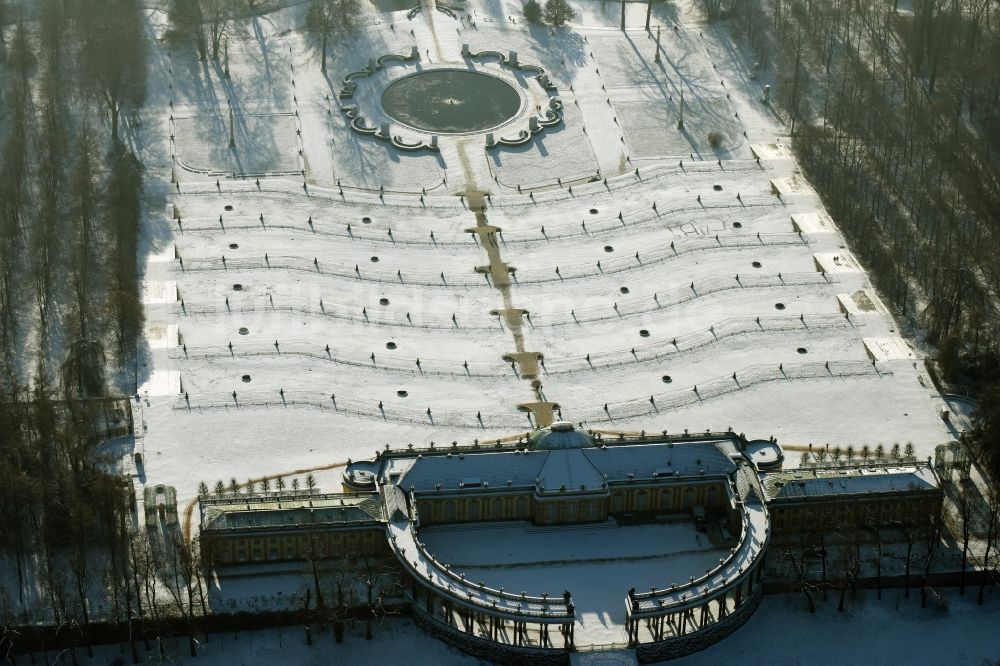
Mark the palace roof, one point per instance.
(562, 468)
(824, 482)
(287, 510)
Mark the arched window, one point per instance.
(617, 502)
(521, 507)
(571, 512)
(496, 509)
(472, 510)
(642, 501)
(688, 497)
(665, 499)
(449, 511)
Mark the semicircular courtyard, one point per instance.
(598, 563)
(566, 540)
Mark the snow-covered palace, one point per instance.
(732, 490)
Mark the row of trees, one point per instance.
(71, 535)
(206, 25)
(70, 197)
(896, 121)
(71, 200)
(831, 555)
(233, 488)
(889, 120)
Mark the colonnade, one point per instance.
(524, 630)
(678, 620)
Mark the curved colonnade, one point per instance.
(460, 606)
(662, 623)
(681, 619)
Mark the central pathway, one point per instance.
(525, 362)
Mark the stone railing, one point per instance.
(680, 646)
(357, 121)
(491, 651)
(729, 573)
(477, 596)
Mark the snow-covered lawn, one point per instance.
(782, 632)
(358, 319)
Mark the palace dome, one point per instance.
(560, 435)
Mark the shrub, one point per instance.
(714, 139)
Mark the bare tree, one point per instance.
(331, 21)
(14, 185)
(992, 519)
(873, 525)
(113, 54)
(314, 554)
(219, 15)
(911, 534)
(344, 578)
(379, 579)
(50, 173)
(187, 18)
(964, 516)
(932, 534)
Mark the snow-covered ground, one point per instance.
(781, 632)
(329, 300)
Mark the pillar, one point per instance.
(467, 620)
(446, 613)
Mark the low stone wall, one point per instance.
(680, 646)
(497, 653)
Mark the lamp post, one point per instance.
(232, 139)
(657, 57)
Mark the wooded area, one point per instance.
(71, 201)
(895, 117)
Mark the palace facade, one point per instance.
(562, 475)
